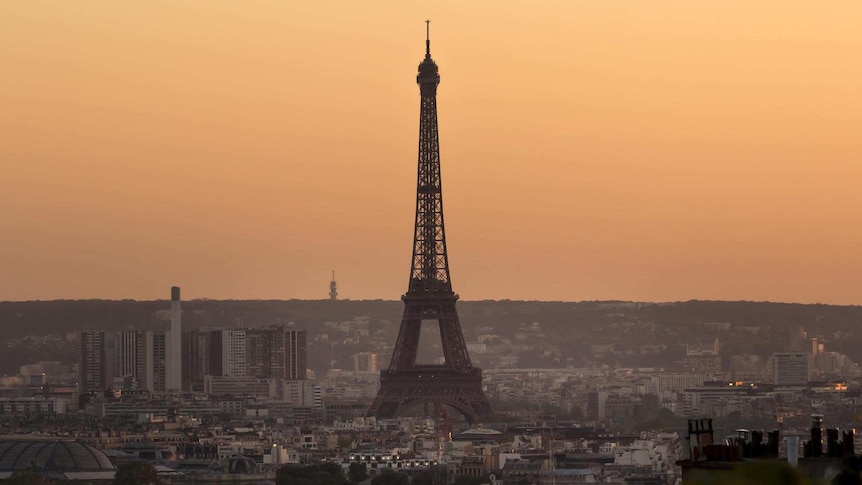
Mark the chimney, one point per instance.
(815, 446)
(173, 372)
(833, 450)
(848, 442)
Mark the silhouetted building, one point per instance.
(155, 350)
(366, 362)
(233, 355)
(266, 350)
(214, 353)
(195, 359)
(91, 361)
(752, 453)
(126, 354)
(226, 353)
(790, 368)
(297, 355)
(594, 407)
(796, 338)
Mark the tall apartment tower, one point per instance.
(155, 352)
(366, 362)
(195, 359)
(127, 357)
(91, 362)
(174, 347)
(233, 355)
(214, 365)
(266, 350)
(297, 358)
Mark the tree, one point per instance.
(426, 477)
(27, 477)
(465, 480)
(753, 473)
(389, 477)
(850, 474)
(847, 477)
(317, 474)
(333, 469)
(136, 473)
(357, 472)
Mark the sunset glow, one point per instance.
(625, 150)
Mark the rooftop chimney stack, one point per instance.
(174, 345)
(848, 442)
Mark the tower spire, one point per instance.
(427, 39)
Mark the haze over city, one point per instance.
(651, 151)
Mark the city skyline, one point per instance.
(656, 152)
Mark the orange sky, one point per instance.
(592, 149)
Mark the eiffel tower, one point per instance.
(456, 383)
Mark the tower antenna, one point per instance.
(333, 290)
(427, 38)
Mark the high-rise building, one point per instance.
(126, 351)
(174, 345)
(366, 362)
(233, 355)
(109, 359)
(195, 359)
(796, 337)
(790, 368)
(214, 365)
(266, 351)
(297, 361)
(155, 352)
(274, 352)
(217, 358)
(816, 347)
(91, 371)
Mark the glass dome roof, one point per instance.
(50, 456)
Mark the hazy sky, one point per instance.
(591, 149)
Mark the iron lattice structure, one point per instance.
(429, 296)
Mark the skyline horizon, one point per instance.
(644, 153)
(467, 300)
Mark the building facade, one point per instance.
(173, 347)
(195, 359)
(91, 362)
(156, 355)
(366, 362)
(790, 368)
(297, 359)
(266, 352)
(233, 354)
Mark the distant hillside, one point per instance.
(528, 333)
